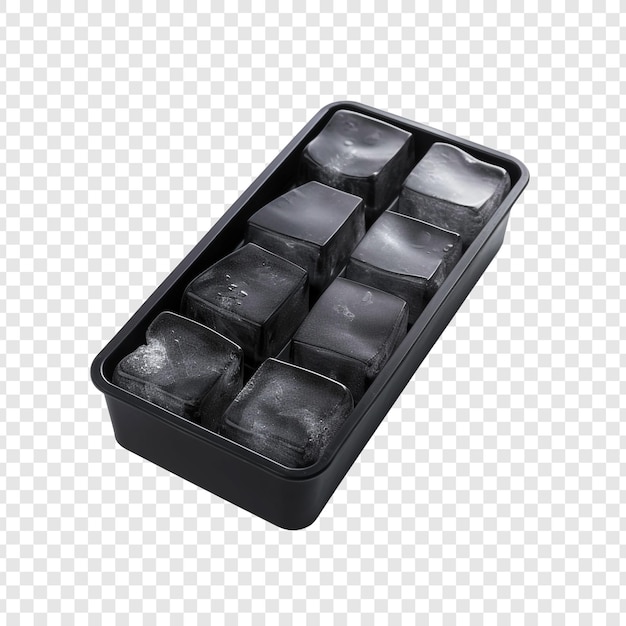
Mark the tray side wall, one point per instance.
(288, 504)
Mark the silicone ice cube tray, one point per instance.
(291, 497)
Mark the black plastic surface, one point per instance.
(289, 497)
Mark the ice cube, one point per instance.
(184, 367)
(253, 297)
(361, 155)
(287, 414)
(315, 226)
(452, 189)
(350, 334)
(406, 257)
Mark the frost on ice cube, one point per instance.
(185, 368)
(314, 226)
(405, 257)
(453, 190)
(287, 414)
(350, 334)
(361, 155)
(253, 297)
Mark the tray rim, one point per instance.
(400, 354)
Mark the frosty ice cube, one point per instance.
(253, 297)
(315, 226)
(406, 257)
(184, 367)
(452, 189)
(287, 414)
(350, 334)
(360, 155)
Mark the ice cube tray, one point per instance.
(291, 497)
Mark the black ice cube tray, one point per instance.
(289, 497)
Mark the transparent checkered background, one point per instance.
(493, 492)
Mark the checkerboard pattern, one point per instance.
(494, 491)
